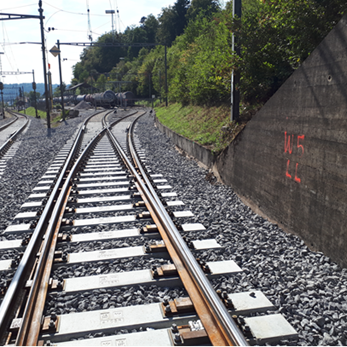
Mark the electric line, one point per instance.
(78, 13)
(11, 8)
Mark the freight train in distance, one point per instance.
(106, 99)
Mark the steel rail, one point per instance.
(14, 292)
(9, 123)
(31, 325)
(8, 143)
(230, 335)
(220, 313)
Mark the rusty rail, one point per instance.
(215, 318)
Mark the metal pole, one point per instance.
(235, 76)
(159, 87)
(2, 103)
(61, 83)
(23, 99)
(166, 92)
(50, 89)
(44, 64)
(2, 100)
(149, 85)
(34, 87)
(112, 26)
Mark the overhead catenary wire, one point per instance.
(12, 8)
(78, 13)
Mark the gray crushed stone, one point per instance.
(305, 286)
(36, 152)
(106, 267)
(102, 299)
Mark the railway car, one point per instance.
(80, 98)
(125, 99)
(106, 99)
(129, 98)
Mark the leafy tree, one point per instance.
(31, 96)
(101, 83)
(150, 25)
(181, 8)
(172, 22)
(206, 7)
(167, 32)
(57, 90)
(277, 36)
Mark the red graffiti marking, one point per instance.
(287, 173)
(288, 147)
(297, 179)
(301, 137)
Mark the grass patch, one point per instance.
(30, 111)
(208, 126)
(145, 103)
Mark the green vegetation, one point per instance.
(30, 111)
(275, 37)
(209, 126)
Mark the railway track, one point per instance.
(8, 134)
(97, 251)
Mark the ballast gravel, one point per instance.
(63, 303)
(37, 150)
(305, 286)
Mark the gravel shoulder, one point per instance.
(38, 148)
(305, 286)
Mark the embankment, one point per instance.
(290, 162)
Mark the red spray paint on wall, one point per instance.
(288, 147)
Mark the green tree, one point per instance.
(31, 96)
(101, 83)
(57, 90)
(206, 7)
(166, 32)
(172, 22)
(150, 25)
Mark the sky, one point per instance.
(70, 21)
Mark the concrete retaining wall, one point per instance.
(291, 159)
(290, 162)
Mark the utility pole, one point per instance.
(159, 86)
(61, 83)
(23, 99)
(149, 85)
(166, 77)
(44, 64)
(235, 76)
(34, 87)
(2, 99)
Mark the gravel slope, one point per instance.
(306, 287)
